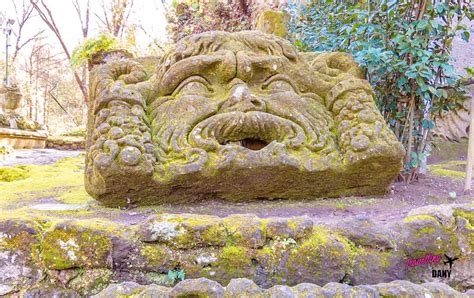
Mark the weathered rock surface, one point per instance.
(288, 254)
(236, 116)
(245, 288)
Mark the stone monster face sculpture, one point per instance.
(236, 116)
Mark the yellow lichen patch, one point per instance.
(62, 181)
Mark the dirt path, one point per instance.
(37, 157)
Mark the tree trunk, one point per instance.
(470, 151)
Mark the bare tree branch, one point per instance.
(46, 15)
(50, 93)
(84, 20)
(115, 16)
(22, 18)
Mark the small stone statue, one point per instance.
(9, 114)
(236, 116)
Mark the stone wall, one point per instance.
(22, 139)
(85, 256)
(66, 143)
(243, 287)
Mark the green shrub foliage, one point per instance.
(404, 47)
(91, 46)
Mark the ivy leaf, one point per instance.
(172, 275)
(181, 275)
(465, 35)
(440, 8)
(426, 123)
(422, 24)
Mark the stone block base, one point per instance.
(85, 255)
(23, 139)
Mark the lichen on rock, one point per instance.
(86, 255)
(68, 246)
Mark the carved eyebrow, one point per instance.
(184, 69)
(190, 79)
(279, 77)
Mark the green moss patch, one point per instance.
(8, 174)
(62, 181)
(70, 247)
(466, 214)
(235, 261)
(452, 169)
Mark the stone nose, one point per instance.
(241, 99)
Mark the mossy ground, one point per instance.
(59, 182)
(453, 169)
(8, 174)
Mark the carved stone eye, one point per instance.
(278, 86)
(194, 87)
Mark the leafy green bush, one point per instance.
(91, 46)
(404, 47)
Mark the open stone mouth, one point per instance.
(250, 143)
(251, 130)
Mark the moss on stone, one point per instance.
(70, 247)
(425, 230)
(419, 217)
(156, 256)
(235, 260)
(245, 230)
(323, 248)
(467, 215)
(20, 241)
(91, 281)
(210, 229)
(425, 234)
(273, 22)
